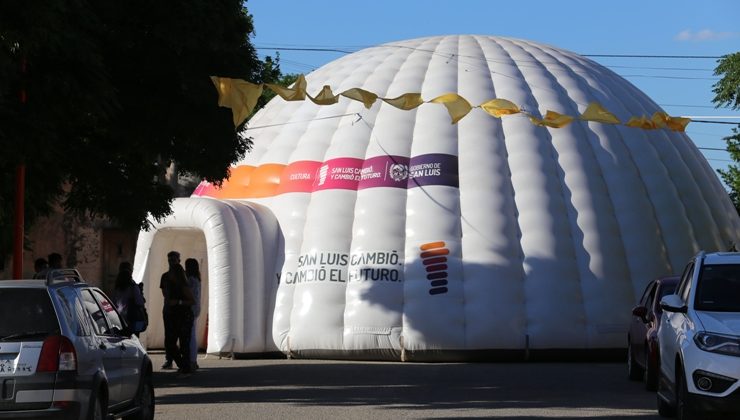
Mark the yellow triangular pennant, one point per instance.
(595, 112)
(678, 123)
(367, 98)
(641, 122)
(295, 93)
(406, 102)
(663, 120)
(239, 95)
(456, 105)
(552, 119)
(499, 107)
(660, 119)
(325, 97)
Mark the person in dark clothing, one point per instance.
(177, 343)
(40, 266)
(55, 261)
(127, 295)
(192, 272)
(173, 258)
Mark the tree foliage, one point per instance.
(271, 73)
(727, 89)
(727, 94)
(115, 93)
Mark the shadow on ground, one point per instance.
(552, 387)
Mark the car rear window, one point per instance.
(26, 314)
(718, 288)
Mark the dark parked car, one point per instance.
(65, 353)
(642, 339)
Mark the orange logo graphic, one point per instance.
(434, 257)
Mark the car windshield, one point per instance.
(26, 314)
(718, 289)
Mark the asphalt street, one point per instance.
(325, 389)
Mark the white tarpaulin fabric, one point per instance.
(391, 234)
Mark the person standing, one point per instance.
(181, 318)
(192, 271)
(40, 267)
(127, 296)
(55, 261)
(173, 258)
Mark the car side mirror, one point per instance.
(639, 311)
(125, 332)
(673, 303)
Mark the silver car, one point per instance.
(66, 353)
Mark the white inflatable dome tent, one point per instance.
(390, 234)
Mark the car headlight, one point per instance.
(718, 343)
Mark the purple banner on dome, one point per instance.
(433, 169)
(384, 171)
(338, 174)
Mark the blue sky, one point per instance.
(648, 27)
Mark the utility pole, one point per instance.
(20, 192)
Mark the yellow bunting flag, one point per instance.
(499, 107)
(239, 95)
(325, 97)
(552, 119)
(595, 112)
(660, 119)
(406, 102)
(367, 98)
(677, 123)
(296, 93)
(456, 105)
(641, 122)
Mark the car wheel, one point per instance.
(145, 400)
(651, 374)
(684, 410)
(664, 408)
(634, 371)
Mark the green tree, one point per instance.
(115, 93)
(727, 94)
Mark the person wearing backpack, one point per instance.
(128, 299)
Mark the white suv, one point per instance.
(699, 338)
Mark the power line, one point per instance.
(715, 122)
(304, 49)
(652, 56)
(712, 148)
(330, 49)
(345, 51)
(715, 117)
(704, 133)
(689, 106)
(659, 68)
(651, 76)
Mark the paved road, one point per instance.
(309, 389)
